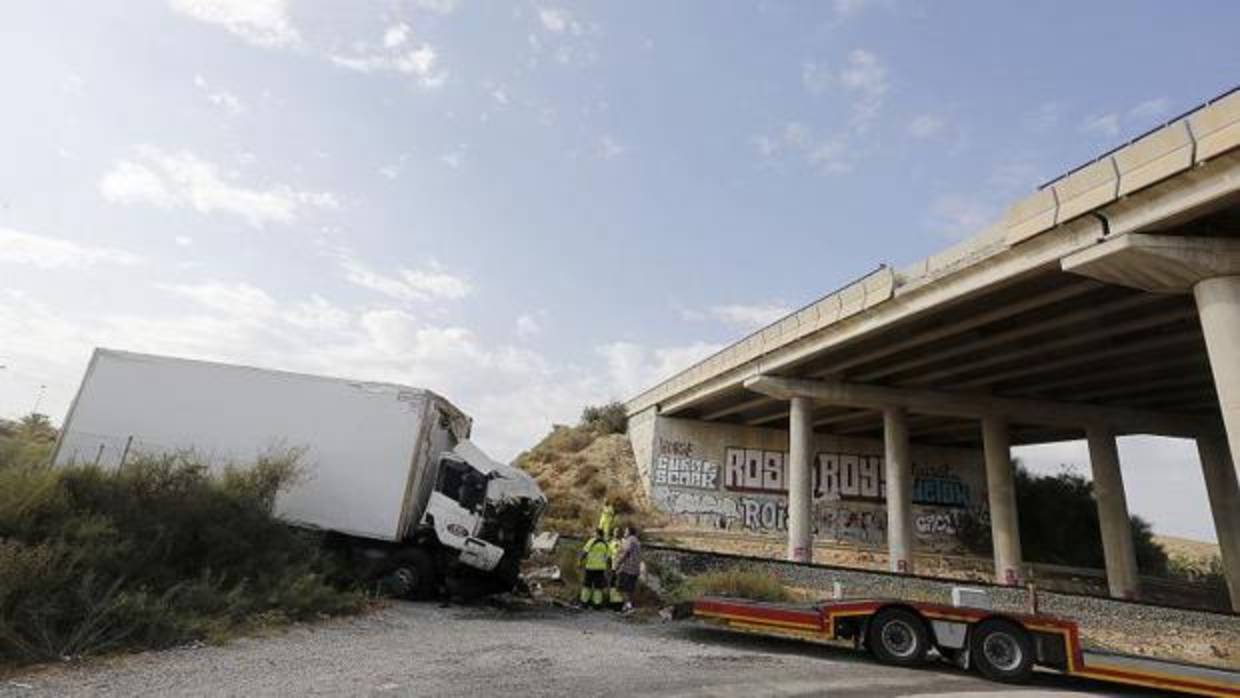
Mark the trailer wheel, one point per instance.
(1002, 651)
(898, 636)
(412, 575)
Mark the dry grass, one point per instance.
(579, 468)
(736, 582)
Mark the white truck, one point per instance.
(389, 475)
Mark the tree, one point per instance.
(1058, 520)
(608, 419)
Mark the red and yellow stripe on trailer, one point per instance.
(783, 621)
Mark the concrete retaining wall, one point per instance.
(713, 475)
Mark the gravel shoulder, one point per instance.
(412, 649)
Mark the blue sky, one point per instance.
(532, 206)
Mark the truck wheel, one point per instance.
(412, 575)
(1002, 651)
(898, 636)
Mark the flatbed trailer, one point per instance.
(1001, 646)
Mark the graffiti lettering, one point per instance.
(684, 449)
(717, 510)
(838, 476)
(686, 472)
(765, 514)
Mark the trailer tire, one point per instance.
(898, 636)
(412, 575)
(1002, 651)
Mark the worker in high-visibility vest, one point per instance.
(596, 561)
(615, 598)
(606, 518)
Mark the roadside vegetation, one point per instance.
(157, 553)
(581, 466)
(1059, 525)
(741, 582)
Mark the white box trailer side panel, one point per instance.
(359, 438)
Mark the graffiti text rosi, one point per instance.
(839, 476)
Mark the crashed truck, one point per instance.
(389, 476)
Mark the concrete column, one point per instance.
(1218, 305)
(1224, 494)
(800, 451)
(1004, 526)
(1117, 545)
(899, 490)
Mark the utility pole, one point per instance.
(38, 398)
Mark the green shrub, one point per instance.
(738, 582)
(1059, 525)
(610, 418)
(158, 552)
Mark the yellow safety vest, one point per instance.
(613, 548)
(596, 551)
(605, 518)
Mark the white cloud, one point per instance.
(396, 55)
(749, 317)
(558, 21)
(867, 76)
(1015, 175)
(633, 367)
(239, 300)
(17, 247)
(183, 180)
(530, 325)
(814, 78)
(925, 126)
(958, 216)
(862, 79)
(184, 240)
(609, 148)
(408, 285)
(317, 314)
(230, 103)
(1138, 118)
(1044, 117)
(1105, 124)
(454, 158)
(261, 22)
(1150, 110)
(849, 8)
(827, 154)
(439, 7)
(395, 35)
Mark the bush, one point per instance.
(737, 582)
(155, 553)
(610, 418)
(1059, 525)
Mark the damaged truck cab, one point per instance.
(484, 509)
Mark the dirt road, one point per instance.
(423, 650)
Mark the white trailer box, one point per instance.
(370, 448)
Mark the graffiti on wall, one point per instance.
(844, 476)
(675, 464)
(745, 489)
(718, 511)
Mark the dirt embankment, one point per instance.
(579, 468)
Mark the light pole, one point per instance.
(38, 398)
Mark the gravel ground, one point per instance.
(423, 650)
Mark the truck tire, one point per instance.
(898, 637)
(1002, 651)
(412, 575)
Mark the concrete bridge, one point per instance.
(1106, 303)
